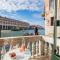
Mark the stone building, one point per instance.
(7, 23)
(49, 17)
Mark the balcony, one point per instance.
(40, 48)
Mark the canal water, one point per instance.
(20, 33)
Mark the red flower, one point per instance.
(12, 55)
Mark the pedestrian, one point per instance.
(36, 31)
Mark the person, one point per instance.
(36, 31)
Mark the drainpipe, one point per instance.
(55, 27)
(55, 30)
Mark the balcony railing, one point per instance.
(38, 46)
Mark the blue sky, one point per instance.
(24, 10)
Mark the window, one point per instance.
(58, 22)
(52, 19)
(51, 4)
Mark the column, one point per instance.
(2, 27)
(5, 27)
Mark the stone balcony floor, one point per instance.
(41, 58)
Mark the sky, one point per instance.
(24, 10)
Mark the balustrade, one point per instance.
(36, 44)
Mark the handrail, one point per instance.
(20, 38)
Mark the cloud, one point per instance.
(14, 5)
(37, 16)
(28, 21)
(14, 16)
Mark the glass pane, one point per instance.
(58, 22)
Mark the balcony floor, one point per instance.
(41, 58)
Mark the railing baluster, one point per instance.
(3, 51)
(42, 48)
(59, 50)
(45, 48)
(50, 49)
(33, 49)
(39, 47)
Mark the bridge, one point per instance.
(41, 49)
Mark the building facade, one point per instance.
(49, 17)
(6, 23)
